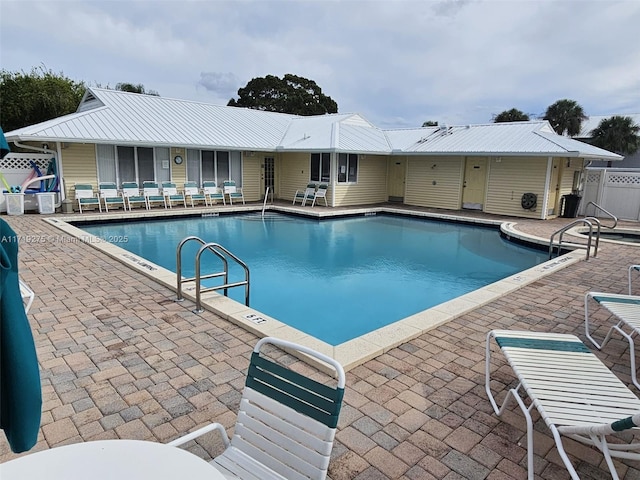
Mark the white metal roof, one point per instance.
(115, 117)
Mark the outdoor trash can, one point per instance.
(569, 207)
(46, 202)
(15, 203)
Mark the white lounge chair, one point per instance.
(287, 420)
(232, 191)
(171, 195)
(626, 309)
(213, 192)
(110, 196)
(573, 391)
(302, 195)
(85, 196)
(321, 193)
(152, 192)
(131, 194)
(193, 194)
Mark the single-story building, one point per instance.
(521, 169)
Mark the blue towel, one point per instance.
(20, 390)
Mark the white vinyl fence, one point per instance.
(615, 190)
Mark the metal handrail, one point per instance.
(582, 221)
(264, 204)
(615, 219)
(213, 247)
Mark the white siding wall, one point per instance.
(434, 182)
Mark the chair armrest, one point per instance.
(201, 431)
(603, 429)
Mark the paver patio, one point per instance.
(120, 359)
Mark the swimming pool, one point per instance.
(336, 279)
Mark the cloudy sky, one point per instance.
(396, 62)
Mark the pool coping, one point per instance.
(353, 352)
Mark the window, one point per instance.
(145, 165)
(347, 168)
(321, 167)
(220, 166)
(193, 166)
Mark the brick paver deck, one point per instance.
(120, 359)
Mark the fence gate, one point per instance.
(615, 190)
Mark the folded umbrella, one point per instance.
(20, 389)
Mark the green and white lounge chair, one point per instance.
(131, 194)
(302, 195)
(110, 196)
(171, 195)
(193, 194)
(287, 419)
(152, 192)
(626, 309)
(85, 196)
(321, 193)
(232, 191)
(213, 192)
(575, 394)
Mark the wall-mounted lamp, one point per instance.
(568, 162)
(498, 159)
(45, 146)
(434, 165)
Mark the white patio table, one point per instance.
(110, 460)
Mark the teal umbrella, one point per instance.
(20, 390)
(4, 146)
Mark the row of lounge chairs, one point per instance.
(151, 194)
(573, 391)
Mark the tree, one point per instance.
(135, 88)
(617, 134)
(30, 98)
(565, 116)
(290, 94)
(430, 123)
(513, 115)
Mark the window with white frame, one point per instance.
(119, 164)
(219, 166)
(347, 168)
(321, 167)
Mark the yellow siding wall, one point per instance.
(79, 166)
(434, 182)
(568, 167)
(292, 173)
(251, 171)
(371, 186)
(509, 178)
(178, 172)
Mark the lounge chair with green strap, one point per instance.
(576, 395)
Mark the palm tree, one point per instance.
(617, 134)
(565, 116)
(513, 115)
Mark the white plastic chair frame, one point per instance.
(84, 195)
(575, 394)
(193, 194)
(131, 193)
(632, 268)
(626, 309)
(213, 192)
(171, 195)
(321, 193)
(110, 196)
(232, 191)
(286, 423)
(152, 192)
(303, 195)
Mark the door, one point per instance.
(554, 188)
(397, 172)
(267, 179)
(475, 183)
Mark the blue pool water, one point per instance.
(335, 279)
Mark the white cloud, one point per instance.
(396, 62)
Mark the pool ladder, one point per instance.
(588, 221)
(223, 254)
